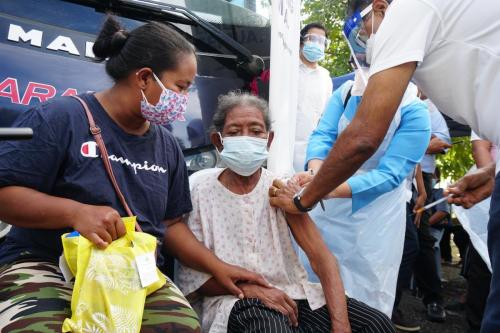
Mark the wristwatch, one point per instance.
(296, 201)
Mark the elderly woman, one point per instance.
(232, 217)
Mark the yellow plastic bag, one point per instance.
(108, 295)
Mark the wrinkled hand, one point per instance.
(99, 224)
(419, 203)
(436, 146)
(274, 299)
(281, 195)
(472, 188)
(229, 275)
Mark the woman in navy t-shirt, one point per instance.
(57, 182)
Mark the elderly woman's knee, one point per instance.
(368, 319)
(380, 322)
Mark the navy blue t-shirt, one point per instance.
(63, 160)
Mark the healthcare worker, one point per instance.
(369, 210)
(315, 87)
(452, 51)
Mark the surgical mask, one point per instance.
(313, 52)
(170, 107)
(243, 154)
(369, 44)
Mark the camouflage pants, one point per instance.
(35, 298)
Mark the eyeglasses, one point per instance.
(313, 38)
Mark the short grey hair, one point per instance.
(234, 99)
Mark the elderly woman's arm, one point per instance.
(223, 278)
(324, 264)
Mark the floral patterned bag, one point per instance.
(109, 292)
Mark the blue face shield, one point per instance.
(357, 37)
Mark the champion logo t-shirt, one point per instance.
(63, 160)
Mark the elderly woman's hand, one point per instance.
(273, 298)
(228, 276)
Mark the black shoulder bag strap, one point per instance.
(347, 97)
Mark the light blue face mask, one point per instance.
(313, 52)
(243, 154)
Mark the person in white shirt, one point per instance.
(452, 51)
(481, 147)
(315, 88)
(233, 218)
(440, 139)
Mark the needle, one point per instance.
(432, 204)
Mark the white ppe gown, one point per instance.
(369, 243)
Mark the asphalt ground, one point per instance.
(453, 288)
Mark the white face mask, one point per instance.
(369, 49)
(243, 154)
(369, 43)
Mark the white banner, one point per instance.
(283, 85)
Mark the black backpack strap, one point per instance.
(347, 97)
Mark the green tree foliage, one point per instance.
(331, 13)
(457, 161)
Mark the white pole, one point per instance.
(283, 85)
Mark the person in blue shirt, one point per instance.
(365, 218)
(440, 140)
(438, 221)
(368, 210)
(427, 273)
